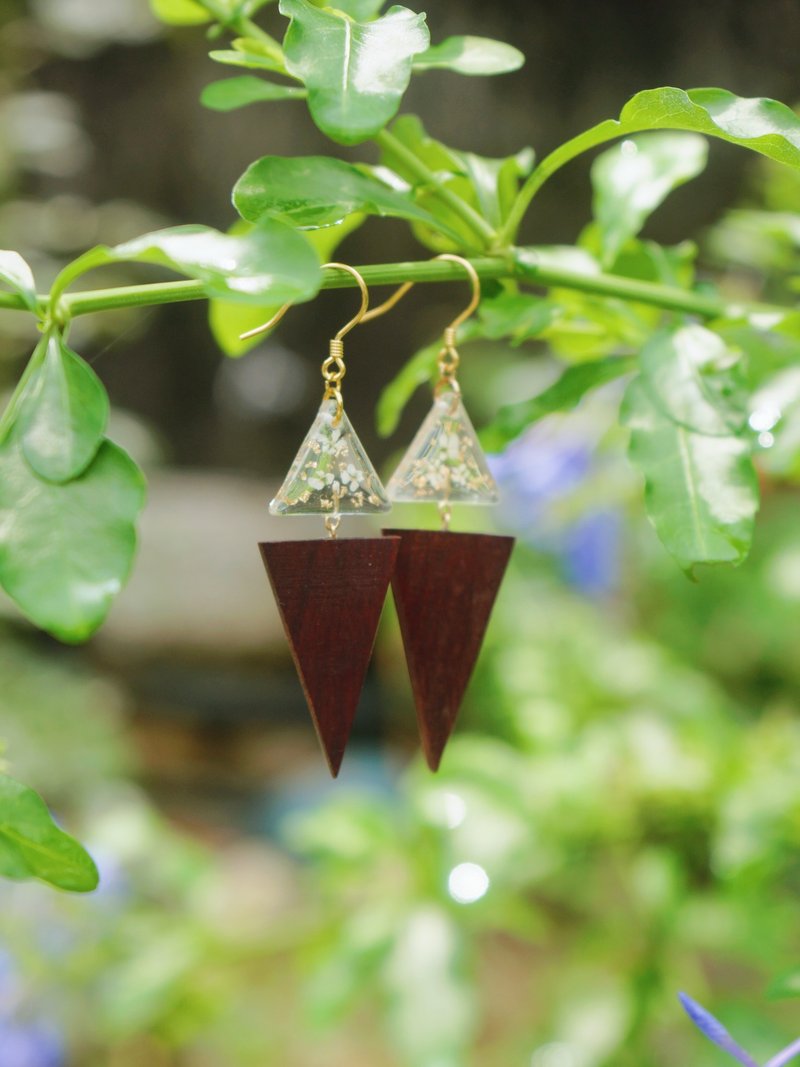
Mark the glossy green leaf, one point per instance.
(64, 413)
(15, 273)
(228, 320)
(696, 380)
(565, 394)
(66, 550)
(496, 181)
(180, 12)
(33, 846)
(312, 191)
(355, 73)
(633, 178)
(272, 260)
(764, 125)
(230, 93)
(360, 10)
(471, 55)
(701, 491)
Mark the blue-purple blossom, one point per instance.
(537, 475)
(716, 1032)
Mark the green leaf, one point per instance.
(64, 413)
(32, 846)
(229, 320)
(421, 368)
(786, 985)
(696, 380)
(701, 491)
(471, 55)
(251, 60)
(488, 185)
(270, 261)
(360, 10)
(356, 73)
(312, 191)
(66, 550)
(518, 316)
(180, 12)
(392, 401)
(230, 93)
(16, 273)
(253, 52)
(633, 178)
(563, 395)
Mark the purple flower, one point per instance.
(33, 1045)
(716, 1032)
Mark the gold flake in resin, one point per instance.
(444, 463)
(331, 474)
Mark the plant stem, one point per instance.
(604, 131)
(479, 226)
(240, 24)
(524, 268)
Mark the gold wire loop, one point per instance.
(449, 358)
(333, 368)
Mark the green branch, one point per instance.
(375, 274)
(576, 146)
(468, 215)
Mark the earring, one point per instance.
(330, 593)
(445, 584)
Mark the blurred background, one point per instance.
(618, 814)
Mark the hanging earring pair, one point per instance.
(445, 584)
(330, 593)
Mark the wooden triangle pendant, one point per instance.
(330, 595)
(444, 587)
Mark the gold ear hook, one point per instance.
(360, 316)
(333, 369)
(449, 357)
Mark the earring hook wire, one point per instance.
(359, 317)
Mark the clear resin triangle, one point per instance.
(444, 463)
(331, 474)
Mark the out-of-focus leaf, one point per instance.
(496, 181)
(64, 412)
(518, 316)
(563, 395)
(696, 380)
(632, 179)
(66, 550)
(394, 397)
(418, 370)
(430, 1000)
(32, 846)
(312, 191)
(272, 260)
(228, 320)
(16, 273)
(471, 55)
(786, 985)
(180, 12)
(355, 72)
(230, 93)
(701, 491)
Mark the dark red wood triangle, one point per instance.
(444, 586)
(330, 595)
